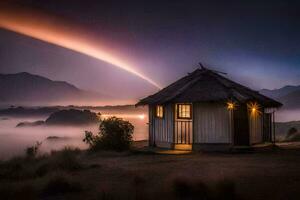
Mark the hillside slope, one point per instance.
(28, 88)
(288, 95)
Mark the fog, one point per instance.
(287, 115)
(14, 140)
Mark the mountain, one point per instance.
(277, 93)
(288, 95)
(291, 100)
(26, 88)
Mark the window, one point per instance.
(184, 111)
(160, 111)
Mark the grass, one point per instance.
(74, 174)
(17, 191)
(29, 177)
(60, 184)
(22, 168)
(282, 128)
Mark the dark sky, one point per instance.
(255, 42)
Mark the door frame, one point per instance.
(187, 124)
(241, 132)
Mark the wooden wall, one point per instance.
(161, 129)
(212, 123)
(255, 127)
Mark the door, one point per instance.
(241, 126)
(183, 132)
(183, 124)
(267, 127)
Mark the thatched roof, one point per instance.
(204, 85)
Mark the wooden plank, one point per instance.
(212, 123)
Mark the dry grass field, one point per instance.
(139, 175)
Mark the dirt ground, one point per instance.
(260, 175)
(269, 174)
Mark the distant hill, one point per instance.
(278, 93)
(23, 112)
(71, 117)
(288, 95)
(26, 88)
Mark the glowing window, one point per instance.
(184, 111)
(160, 111)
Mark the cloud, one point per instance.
(62, 33)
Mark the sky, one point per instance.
(130, 48)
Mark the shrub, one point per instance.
(18, 168)
(32, 151)
(114, 134)
(23, 168)
(294, 138)
(90, 138)
(292, 131)
(65, 160)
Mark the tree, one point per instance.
(114, 134)
(32, 151)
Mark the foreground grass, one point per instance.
(47, 175)
(74, 174)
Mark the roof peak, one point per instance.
(206, 85)
(203, 68)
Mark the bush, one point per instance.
(66, 160)
(114, 134)
(31, 152)
(15, 169)
(294, 138)
(292, 131)
(23, 168)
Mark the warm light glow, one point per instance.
(142, 117)
(159, 111)
(254, 107)
(46, 29)
(230, 105)
(184, 111)
(186, 147)
(124, 116)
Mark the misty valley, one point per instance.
(19, 129)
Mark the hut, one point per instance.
(206, 111)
